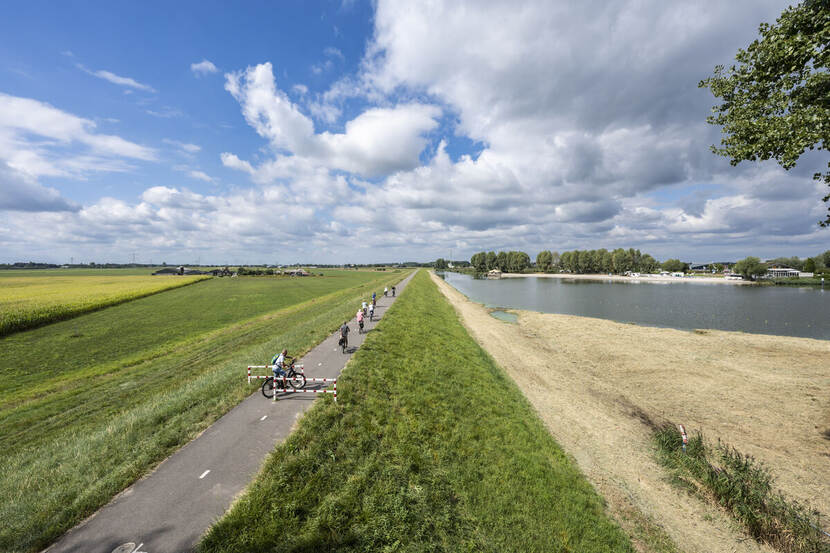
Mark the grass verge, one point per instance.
(430, 448)
(87, 443)
(744, 488)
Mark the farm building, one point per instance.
(181, 270)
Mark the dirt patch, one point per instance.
(601, 386)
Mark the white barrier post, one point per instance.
(284, 387)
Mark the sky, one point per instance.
(360, 132)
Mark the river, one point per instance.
(779, 310)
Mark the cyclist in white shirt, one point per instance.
(279, 363)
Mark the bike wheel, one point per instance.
(297, 381)
(268, 387)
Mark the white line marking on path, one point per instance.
(264, 417)
(204, 474)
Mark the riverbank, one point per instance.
(594, 381)
(621, 278)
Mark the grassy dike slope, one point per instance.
(430, 448)
(65, 453)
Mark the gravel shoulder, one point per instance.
(593, 380)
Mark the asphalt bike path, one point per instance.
(169, 510)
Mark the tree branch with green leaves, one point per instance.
(776, 99)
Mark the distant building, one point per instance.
(782, 272)
(180, 271)
(494, 274)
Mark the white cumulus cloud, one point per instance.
(376, 142)
(204, 67)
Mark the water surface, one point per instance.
(786, 311)
(505, 316)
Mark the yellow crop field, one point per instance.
(30, 301)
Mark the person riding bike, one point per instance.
(393, 291)
(371, 311)
(385, 291)
(344, 336)
(374, 295)
(278, 363)
(360, 321)
(363, 307)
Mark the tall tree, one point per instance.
(522, 261)
(491, 261)
(607, 261)
(674, 266)
(750, 268)
(479, 262)
(544, 261)
(501, 261)
(565, 261)
(776, 100)
(648, 264)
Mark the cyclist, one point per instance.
(363, 307)
(278, 363)
(385, 291)
(360, 321)
(344, 336)
(372, 311)
(393, 291)
(374, 295)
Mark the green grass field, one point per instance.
(90, 404)
(431, 447)
(31, 301)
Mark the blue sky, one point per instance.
(155, 44)
(361, 132)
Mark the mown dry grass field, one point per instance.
(34, 300)
(594, 381)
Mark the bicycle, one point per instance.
(293, 378)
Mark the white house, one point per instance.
(782, 272)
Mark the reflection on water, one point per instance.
(782, 310)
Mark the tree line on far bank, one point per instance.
(621, 261)
(752, 267)
(617, 261)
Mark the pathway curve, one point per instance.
(170, 509)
